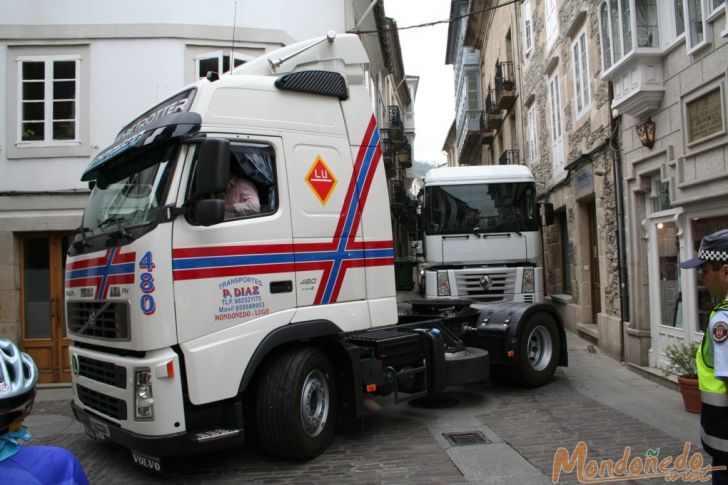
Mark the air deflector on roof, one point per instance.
(326, 83)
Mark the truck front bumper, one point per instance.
(184, 443)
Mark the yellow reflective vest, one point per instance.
(704, 360)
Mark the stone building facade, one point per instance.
(539, 102)
(621, 113)
(569, 143)
(670, 78)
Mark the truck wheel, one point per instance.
(296, 403)
(539, 350)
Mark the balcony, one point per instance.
(389, 155)
(396, 127)
(634, 61)
(487, 136)
(509, 157)
(493, 116)
(505, 86)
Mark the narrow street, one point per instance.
(595, 399)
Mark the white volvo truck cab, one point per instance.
(194, 322)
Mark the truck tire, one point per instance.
(467, 366)
(296, 403)
(539, 348)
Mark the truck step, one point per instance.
(216, 434)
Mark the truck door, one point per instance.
(326, 221)
(240, 270)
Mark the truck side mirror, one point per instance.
(548, 213)
(209, 211)
(211, 173)
(213, 166)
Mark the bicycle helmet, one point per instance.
(18, 376)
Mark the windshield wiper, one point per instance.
(123, 232)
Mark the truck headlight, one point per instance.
(443, 284)
(528, 281)
(143, 394)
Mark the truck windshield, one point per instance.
(481, 208)
(135, 200)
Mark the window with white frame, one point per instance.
(696, 24)
(670, 22)
(532, 148)
(527, 26)
(626, 25)
(581, 74)
(552, 22)
(216, 61)
(647, 27)
(679, 16)
(557, 137)
(716, 6)
(48, 101)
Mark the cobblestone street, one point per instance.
(595, 400)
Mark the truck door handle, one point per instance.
(281, 286)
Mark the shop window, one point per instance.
(701, 227)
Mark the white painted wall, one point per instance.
(300, 19)
(130, 75)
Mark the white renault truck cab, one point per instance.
(482, 234)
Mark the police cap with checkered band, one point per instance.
(713, 247)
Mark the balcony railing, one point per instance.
(505, 85)
(486, 135)
(493, 116)
(396, 127)
(509, 157)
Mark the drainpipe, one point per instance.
(614, 124)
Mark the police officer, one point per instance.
(712, 355)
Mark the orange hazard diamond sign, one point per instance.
(321, 180)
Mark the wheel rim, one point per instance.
(314, 402)
(540, 348)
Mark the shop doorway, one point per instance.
(43, 332)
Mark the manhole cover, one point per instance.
(466, 438)
(434, 402)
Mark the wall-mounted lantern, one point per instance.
(646, 132)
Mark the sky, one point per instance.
(423, 52)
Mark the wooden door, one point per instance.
(43, 332)
(596, 299)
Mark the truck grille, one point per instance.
(502, 286)
(107, 405)
(104, 372)
(99, 319)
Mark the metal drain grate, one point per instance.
(466, 438)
